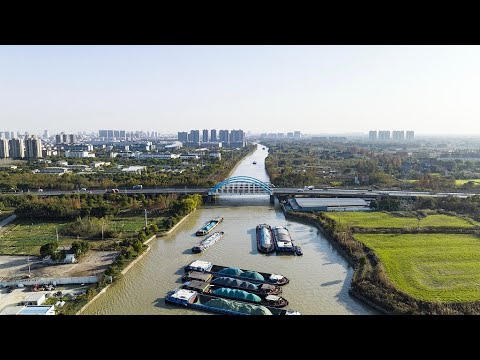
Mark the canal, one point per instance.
(319, 280)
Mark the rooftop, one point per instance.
(34, 297)
(329, 202)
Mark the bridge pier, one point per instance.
(212, 199)
(272, 199)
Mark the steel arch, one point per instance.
(241, 179)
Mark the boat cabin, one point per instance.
(185, 295)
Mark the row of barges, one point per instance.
(230, 290)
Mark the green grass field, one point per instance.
(133, 223)
(385, 220)
(21, 237)
(431, 267)
(25, 237)
(463, 182)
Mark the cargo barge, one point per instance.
(283, 240)
(224, 271)
(193, 299)
(235, 293)
(261, 289)
(209, 226)
(265, 243)
(209, 241)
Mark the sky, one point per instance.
(314, 89)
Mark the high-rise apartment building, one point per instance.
(33, 148)
(372, 135)
(289, 135)
(213, 135)
(205, 135)
(46, 135)
(183, 136)
(384, 135)
(224, 136)
(4, 153)
(398, 135)
(194, 136)
(410, 135)
(17, 148)
(237, 136)
(297, 134)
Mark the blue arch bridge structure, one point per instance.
(241, 185)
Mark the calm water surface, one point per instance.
(319, 279)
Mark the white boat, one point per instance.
(209, 241)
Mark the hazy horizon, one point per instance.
(315, 89)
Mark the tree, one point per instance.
(79, 248)
(48, 249)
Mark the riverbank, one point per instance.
(370, 282)
(174, 227)
(129, 266)
(123, 272)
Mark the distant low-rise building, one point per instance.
(53, 170)
(134, 169)
(98, 164)
(216, 155)
(34, 299)
(328, 204)
(79, 154)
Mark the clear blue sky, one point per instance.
(315, 89)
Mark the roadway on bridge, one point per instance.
(276, 191)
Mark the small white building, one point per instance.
(97, 164)
(216, 155)
(34, 299)
(70, 259)
(53, 170)
(134, 169)
(79, 154)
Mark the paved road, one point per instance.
(277, 191)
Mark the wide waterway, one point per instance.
(319, 280)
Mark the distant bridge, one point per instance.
(239, 185)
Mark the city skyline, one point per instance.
(319, 89)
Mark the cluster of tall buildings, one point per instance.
(396, 135)
(28, 148)
(232, 138)
(65, 138)
(7, 135)
(123, 135)
(112, 135)
(288, 135)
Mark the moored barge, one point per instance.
(209, 241)
(209, 226)
(261, 289)
(224, 271)
(265, 243)
(193, 299)
(236, 294)
(283, 240)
